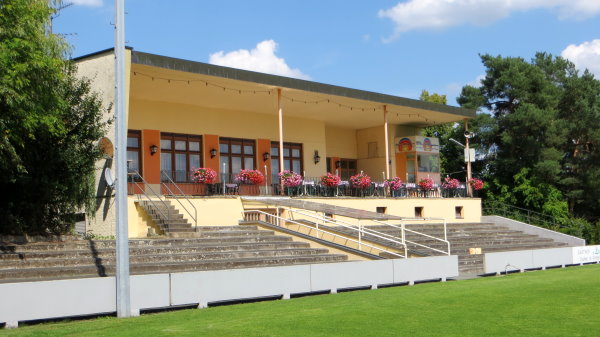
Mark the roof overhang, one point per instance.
(167, 79)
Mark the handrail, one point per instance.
(360, 230)
(195, 216)
(327, 232)
(518, 213)
(404, 229)
(167, 207)
(386, 236)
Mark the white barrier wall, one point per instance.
(77, 297)
(540, 258)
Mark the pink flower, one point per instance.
(250, 177)
(330, 180)
(290, 178)
(451, 183)
(204, 175)
(476, 184)
(394, 183)
(426, 183)
(360, 180)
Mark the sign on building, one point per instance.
(417, 144)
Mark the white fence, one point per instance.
(540, 258)
(90, 296)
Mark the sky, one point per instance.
(387, 46)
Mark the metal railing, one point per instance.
(165, 216)
(388, 237)
(178, 196)
(277, 221)
(523, 214)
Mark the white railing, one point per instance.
(387, 237)
(277, 221)
(403, 228)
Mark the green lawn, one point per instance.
(559, 302)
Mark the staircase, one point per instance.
(213, 248)
(166, 217)
(462, 236)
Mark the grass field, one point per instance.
(558, 302)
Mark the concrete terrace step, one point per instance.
(160, 258)
(189, 249)
(16, 275)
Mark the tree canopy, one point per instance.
(50, 123)
(542, 134)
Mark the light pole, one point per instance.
(467, 158)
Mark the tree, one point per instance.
(544, 142)
(50, 122)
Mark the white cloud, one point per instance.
(91, 3)
(440, 14)
(585, 55)
(261, 59)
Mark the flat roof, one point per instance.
(166, 79)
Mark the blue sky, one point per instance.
(393, 47)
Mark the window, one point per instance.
(347, 168)
(236, 155)
(458, 211)
(179, 155)
(292, 158)
(134, 155)
(428, 163)
(381, 209)
(418, 212)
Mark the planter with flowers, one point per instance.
(476, 185)
(426, 185)
(360, 182)
(451, 187)
(250, 181)
(203, 177)
(291, 182)
(330, 182)
(394, 185)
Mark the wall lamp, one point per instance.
(213, 153)
(153, 149)
(266, 156)
(316, 157)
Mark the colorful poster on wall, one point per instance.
(418, 144)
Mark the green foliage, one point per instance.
(542, 136)
(49, 125)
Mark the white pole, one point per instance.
(280, 108)
(122, 237)
(387, 145)
(468, 157)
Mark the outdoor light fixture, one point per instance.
(153, 149)
(338, 164)
(213, 153)
(317, 158)
(266, 156)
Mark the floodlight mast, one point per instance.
(468, 135)
(123, 299)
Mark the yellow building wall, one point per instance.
(191, 119)
(374, 165)
(340, 142)
(100, 70)
(432, 207)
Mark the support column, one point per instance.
(468, 158)
(387, 145)
(280, 108)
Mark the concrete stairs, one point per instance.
(462, 236)
(166, 217)
(212, 248)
